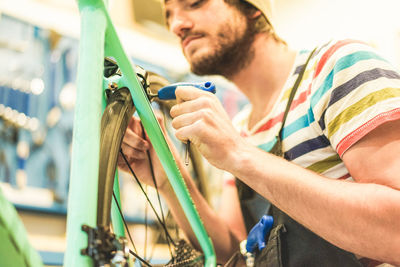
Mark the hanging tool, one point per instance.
(256, 240)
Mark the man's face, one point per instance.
(215, 36)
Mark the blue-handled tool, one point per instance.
(256, 237)
(256, 240)
(168, 92)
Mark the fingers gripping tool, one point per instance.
(168, 93)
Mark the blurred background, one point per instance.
(39, 42)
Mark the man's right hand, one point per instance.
(136, 146)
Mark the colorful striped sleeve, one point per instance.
(356, 91)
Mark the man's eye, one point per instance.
(196, 3)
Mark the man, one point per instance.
(340, 178)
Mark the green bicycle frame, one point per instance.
(99, 39)
(15, 249)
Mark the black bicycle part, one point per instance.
(186, 256)
(110, 67)
(104, 248)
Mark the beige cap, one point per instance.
(265, 6)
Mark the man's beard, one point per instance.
(230, 57)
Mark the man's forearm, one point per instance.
(339, 211)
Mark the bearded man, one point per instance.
(318, 148)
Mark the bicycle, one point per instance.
(95, 44)
(90, 241)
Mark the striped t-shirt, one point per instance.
(347, 90)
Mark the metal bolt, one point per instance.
(112, 86)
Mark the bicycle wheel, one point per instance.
(114, 122)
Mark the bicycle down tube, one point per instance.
(99, 39)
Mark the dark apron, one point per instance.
(289, 243)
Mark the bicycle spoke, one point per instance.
(147, 198)
(158, 238)
(139, 258)
(134, 253)
(125, 224)
(158, 193)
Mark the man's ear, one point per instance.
(256, 14)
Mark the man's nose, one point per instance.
(180, 24)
